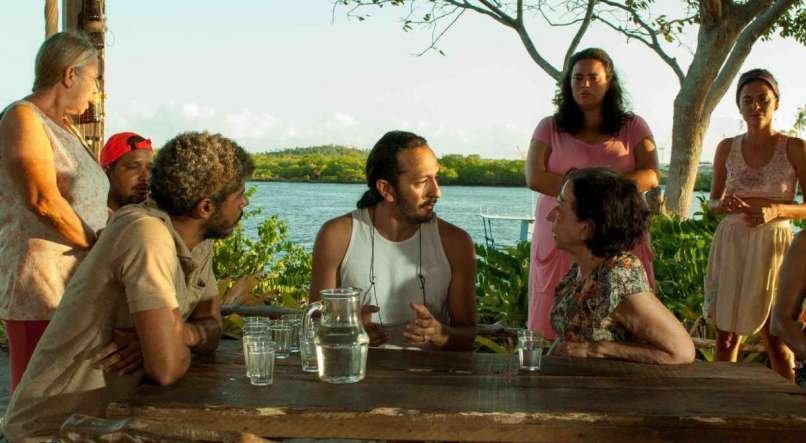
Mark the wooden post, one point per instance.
(88, 16)
(51, 17)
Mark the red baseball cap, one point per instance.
(121, 143)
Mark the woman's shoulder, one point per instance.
(635, 123)
(795, 145)
(20, 117)
(622, 265)
(625, 274)
(547, 123)
(20, 109)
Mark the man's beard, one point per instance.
(217, 228)
(135, 199)
(410, 214)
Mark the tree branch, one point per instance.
(765, 18)
(495, 9)
(519, 12)
(711, 11)
(496, 14)
(435, 39)
(580, 32)
(502, 17)
(653, 43)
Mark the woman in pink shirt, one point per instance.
(590, 128)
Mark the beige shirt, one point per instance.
(139, 263)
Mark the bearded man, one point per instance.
(145, 296)
(416, 271)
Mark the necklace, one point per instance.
(420, 276)
(73, 130)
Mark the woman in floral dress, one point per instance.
(604, 306)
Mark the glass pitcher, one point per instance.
(341, 342)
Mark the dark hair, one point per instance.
(197, 165)
(382, 163)
(761, 75)
(613, 205)
(569, 116)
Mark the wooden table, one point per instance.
(409, 395)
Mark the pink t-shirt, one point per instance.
(568, 152)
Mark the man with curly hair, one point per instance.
(145, 296)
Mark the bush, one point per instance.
(281, 269)
(681, 258)
(502, 283)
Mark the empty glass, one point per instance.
(259, 357)
(280, 333)
(307, 349)
(530, 349)
(254, 326)
(294, 321)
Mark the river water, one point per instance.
(305, 206)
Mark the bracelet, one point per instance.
(714, 203)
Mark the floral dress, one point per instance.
(583, 307)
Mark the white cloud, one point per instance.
(247, 124)
(193, 111)
(344, 119)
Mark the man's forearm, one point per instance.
(457, 338)
(202, 335)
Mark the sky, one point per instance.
(275, 74)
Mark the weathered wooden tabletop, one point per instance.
(409, 395)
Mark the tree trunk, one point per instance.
(692, 113)
(688, 129)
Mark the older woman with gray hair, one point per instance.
(604, 306)
(52, 191)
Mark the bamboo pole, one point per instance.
(51, 17)
(88, 16)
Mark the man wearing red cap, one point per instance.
(126, 158)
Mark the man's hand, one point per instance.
(122, 355)
(424, 328)
(377, 334)
(240, 291)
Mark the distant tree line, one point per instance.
(342, 164)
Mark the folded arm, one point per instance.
(538, 177)
(27, 157)
(661, 338)
(645, 175)
(460, 334)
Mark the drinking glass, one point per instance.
(295, 323)
(280, 333)
(252, 327)
(259, 359)
(307, 349)
(530, 349)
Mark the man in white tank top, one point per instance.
(416, 271)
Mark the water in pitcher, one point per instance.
(342, 354)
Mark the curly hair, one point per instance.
(382, 163)
(197, 165)
(569, 116)
(613, 205)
